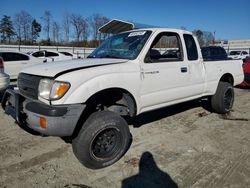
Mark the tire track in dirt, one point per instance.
(227, 172)
(34, 161)
(202, 165)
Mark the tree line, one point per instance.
(73, 30)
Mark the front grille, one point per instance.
(28, 85)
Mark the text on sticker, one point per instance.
(138, 33)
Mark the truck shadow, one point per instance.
(149, 175)
(156, 115)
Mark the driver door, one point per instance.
(165, 73)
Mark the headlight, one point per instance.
(44, 88)
(52, 90)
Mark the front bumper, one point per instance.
(61, 120)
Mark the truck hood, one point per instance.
(55, 69)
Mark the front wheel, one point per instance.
(103, 140)
(222, 101)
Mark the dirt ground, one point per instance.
(180, 146)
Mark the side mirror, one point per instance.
(148, 59)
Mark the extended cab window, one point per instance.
(191, 47)
(166, 47)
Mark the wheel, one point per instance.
(222, 100)
(103, 139)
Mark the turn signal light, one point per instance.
(43, 122)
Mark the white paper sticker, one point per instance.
(137, 33)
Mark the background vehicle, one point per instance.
(4, 78)
(216, 53)
(246, 69)
(70, 54)
(238, 54)
(14, 62)
(50, 56)
(89, 100)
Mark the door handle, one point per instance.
(184, 69)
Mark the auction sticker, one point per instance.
(137, 33)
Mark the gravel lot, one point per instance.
(180, 146)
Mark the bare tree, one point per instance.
(23, 26)
(47, 18)
(96, 21)
(80, 25)
(18, 27)
(66, 26)
(199, 34)
(55, 31)
(85, 29)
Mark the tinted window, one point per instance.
(205, 52)
(213, 53)
(191, 48)
(166, 47)
(234, 53)
(51, 54)
(244, 53)
(38, 54)
(66, 53)
(12, 56)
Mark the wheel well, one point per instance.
(116, 100)
(113, 99)
(227, 78)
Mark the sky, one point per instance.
(230, 20)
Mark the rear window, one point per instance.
(12, 56)
(66, 53)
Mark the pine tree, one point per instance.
(6, 29)
(36, 29)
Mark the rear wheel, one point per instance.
(222, 101)
(103, 140)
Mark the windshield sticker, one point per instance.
(138, 33)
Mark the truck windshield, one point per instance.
(123, 46)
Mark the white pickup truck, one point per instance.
(130, 73)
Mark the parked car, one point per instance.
(4, 78)
(70, 54)
(246, 69)
(50, 56)
(238, 54)
(90, 100)
(213, 53)
(14, 62)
